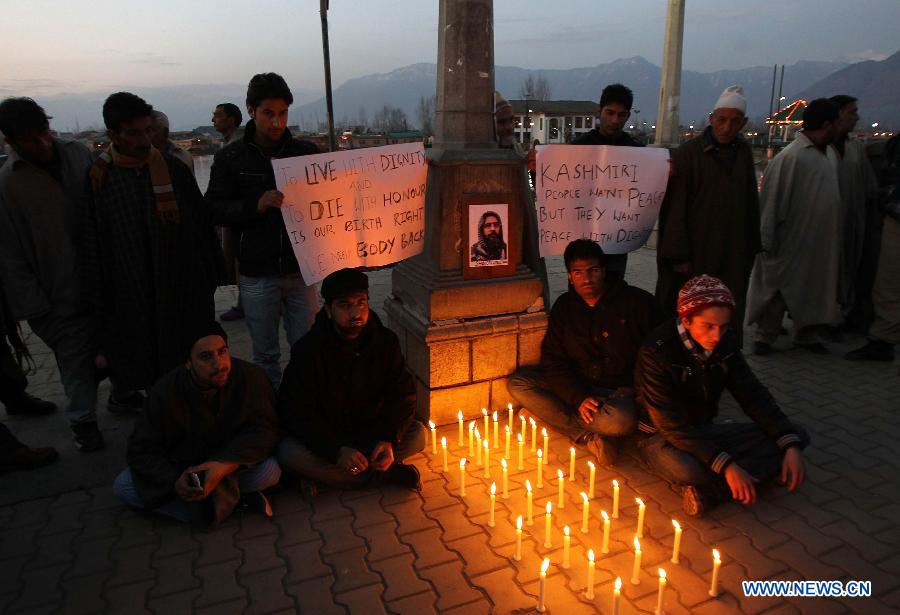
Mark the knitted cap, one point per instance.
(703, 292)
(344, 282)
(732, 98)
(204, 329)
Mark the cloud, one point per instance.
(149, 57)
(571, 35)
(862, 56)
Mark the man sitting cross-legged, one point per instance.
(583, 385)
(347, 400)
(203, 446)
(682, 370)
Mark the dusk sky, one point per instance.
(50, 47)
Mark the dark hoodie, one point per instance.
(346, 393)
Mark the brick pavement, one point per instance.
(66, 544)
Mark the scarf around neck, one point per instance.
(163, 193)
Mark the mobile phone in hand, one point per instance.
(196, 481)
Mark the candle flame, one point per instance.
(591, 555)
(572, 450)
(559, 474)
(639, 501)
(662, 574)
(462, 462)
(503, 463)
(477, 433)
(676, 524)
(616, 484)
(591, 464)
(507, 428)
(618, 583)
(471, 425)
(484, 411)
(519, 438)
(584, 497)
(544, 432)
(637, 544)
(531, 420)
(486, 444)
(494, 416)
(545, 565)
(716, 555)
(509, 406)
(431, 424)
(540, 453)
(604, 515)
(459, 415)
(519, 523)
(549, 507)
(444, 442)
(566, 530)
(493, 488)
(527, 485)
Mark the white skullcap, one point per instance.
(160, 119)
(732, 98)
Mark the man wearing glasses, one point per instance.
(583, 386)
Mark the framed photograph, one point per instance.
(488, 251)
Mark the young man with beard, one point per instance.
(347, 401)
(682, 370)
(212, 418)
(490, 245)
(243, 197)
(583, 386)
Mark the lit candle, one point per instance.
(543, 587)
(478, 447)
(522, 430)
(642, 508)
(540, 469)
(509, 422)
(546, 440)
(529, 500)
(561, 479)
(505, 479)
(487, 459)
(496, 430)
(584, 512)
(589, 590)
(461, 436)
(677, 544)
(462, 477)
(548, 543)
(519, 539)
(521, 448)
(605, 547)
(662, 590)
(636, 570)
(493, 502)
(567, 547)
(444, 447)
(508, 435)
(572, 464)
(617, 596)
(714, 586)
(471, 438)
(487, 431)
(592, 480)
(615, 513)
(533, 433)
(433, 437)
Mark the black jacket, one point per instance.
(595, 347)
(241, 172)
(678, 392)
(594, 137)
(337, 393)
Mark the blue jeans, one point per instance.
(617, 416)
(750, 447)
(260, 477)
(265, 300)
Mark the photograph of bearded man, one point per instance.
(490, 249)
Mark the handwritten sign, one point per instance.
(353, 208)
(608, 194)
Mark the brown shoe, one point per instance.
(604, 449)
(695, 502)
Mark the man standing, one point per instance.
(682, 370)
(858, 192)
(203, 445)
(226, 119)
(801, 229)
(242, 196)
(347, 401)
(709, 222)
(149, 265)
(614, 110)
(160, 123)
(490, 245)
(41, 190)
(583, 387)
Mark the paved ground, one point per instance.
(66, 544)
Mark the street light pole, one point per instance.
(323, 13)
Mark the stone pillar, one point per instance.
(463, 337)
(670, 78)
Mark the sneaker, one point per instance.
(605, 450)
(813, 347)
(762, 349)
(403, 475)
(256, 502)
(129, 404)
(26, 458)
(874, 350)
(87, 437)
(693, 501)
(235, 313)
(29, 405)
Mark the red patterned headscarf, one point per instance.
(703, 292)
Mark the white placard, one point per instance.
(610, 194)
(353, 208)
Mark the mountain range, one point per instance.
(875, 83)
